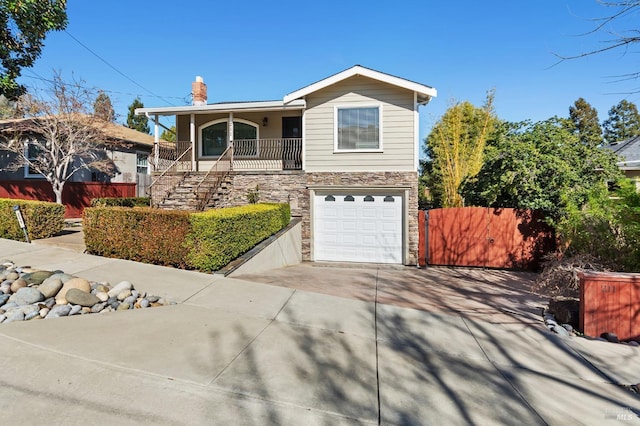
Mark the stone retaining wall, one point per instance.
(293, 187)
(273, 187)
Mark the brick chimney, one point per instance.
(199, 91)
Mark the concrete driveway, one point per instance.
(313, 345)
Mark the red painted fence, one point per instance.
(610, 303)
(75, 196)
(485, 237)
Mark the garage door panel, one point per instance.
(369, 212)
(358, 230)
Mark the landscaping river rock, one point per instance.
(30, 294)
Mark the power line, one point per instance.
(115, 69)
(36, 76)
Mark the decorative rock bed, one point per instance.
(28, 294)
(567, 330)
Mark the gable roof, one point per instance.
(425, 93)
(629, 151)
(294, 99)
(111, 130)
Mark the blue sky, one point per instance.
(254, 50)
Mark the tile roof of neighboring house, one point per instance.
(112, 130)
(629, 151)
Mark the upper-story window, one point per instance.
(358, 129)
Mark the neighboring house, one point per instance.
(130, 158)
(629, 152)
(342, 151)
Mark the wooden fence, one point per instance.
(484, 237)
(75, 196)
(610, 303)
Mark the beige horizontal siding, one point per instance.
(397, 127)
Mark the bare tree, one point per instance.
(619, 39)
(58, 135)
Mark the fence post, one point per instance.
(422, 238)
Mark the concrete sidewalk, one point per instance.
(235, 351)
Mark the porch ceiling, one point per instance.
(225, 107)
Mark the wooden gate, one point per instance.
(486, 237)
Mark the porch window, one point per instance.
(245, 135)
(214, 138)
(358, 129)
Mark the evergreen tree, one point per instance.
(623, 122)
(137, 122)
(585, 121)
(169, 135)
(103, 109)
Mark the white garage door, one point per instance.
(357, 228)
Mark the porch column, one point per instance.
(156, 142)
(192, 137)
(230, 129)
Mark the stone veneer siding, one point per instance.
(274, 187)
(292, 187)
(357, 180)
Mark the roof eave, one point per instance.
(223, 107)
(423, 91)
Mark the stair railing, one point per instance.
(220, 170)
(161, 185)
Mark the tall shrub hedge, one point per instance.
(43, 219)
(204, 241)
(218, 236)
(140, 234)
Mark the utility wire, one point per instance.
(37, 76)
(115, 69)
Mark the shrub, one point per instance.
(218, 236)
(559, 276)
(43, 219)
(140, 234)
(205, 241)
(121, 202)
(606, 228)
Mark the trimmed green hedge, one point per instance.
(121, 202)
(220, 235)
(43, 219)
(204, 241)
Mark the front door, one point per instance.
(291, 127)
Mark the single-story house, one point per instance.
(343, 151)
(129, 152)
(629, 153)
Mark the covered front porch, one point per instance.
(252, 136)
(214, 140)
